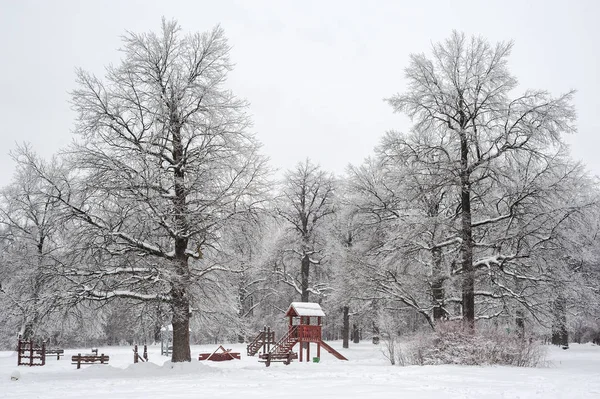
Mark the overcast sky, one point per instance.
(315, 72)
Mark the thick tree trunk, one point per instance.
(181, 305)
(180, 284)
(466, 249)
(181, 327)
(305, 270)
(181, 339)
(346, 328)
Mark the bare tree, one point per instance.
(164, 163)
(30, 224)
(460, 96)
(305, 205)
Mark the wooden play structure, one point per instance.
(304, 328)
(30, 354)
(223, 355)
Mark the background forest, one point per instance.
(164, 211)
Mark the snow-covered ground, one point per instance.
(573, 373)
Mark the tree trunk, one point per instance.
(181, 327)
(437, 285)
(305, 270)
(560, 334)
(519, 314)
(158, 324)
(466, 248)
(180, 284)
(355, 334)
(346, 328)
(156, 332)
(27, 331)
(181, 305)
(376, 333)
(520, 323)
(32, 316)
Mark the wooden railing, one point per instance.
(253, 347)
(286, 343)
(307, 333)
(264, 340)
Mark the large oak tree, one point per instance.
(163, 163)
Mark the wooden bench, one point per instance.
(286, 358)
(89, 359)
(55, 351)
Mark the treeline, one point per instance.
(164, 211)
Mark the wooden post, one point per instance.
(308, 351)
(78, 360)
(19, 350)
(135, 354)
(43, 353)
(145, 352)
(346, 327)
(319, 350)
(268, 338)
(30, 352)
(102, 358)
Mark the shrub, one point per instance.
(455, 343)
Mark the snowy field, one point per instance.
(574, 373)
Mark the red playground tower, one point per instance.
(305, 324)
(304, 327)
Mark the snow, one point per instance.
(573, 373)
(306, 309)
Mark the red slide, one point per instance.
(332, 351)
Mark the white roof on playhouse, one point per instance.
(305, 309)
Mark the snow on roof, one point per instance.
(306, 309)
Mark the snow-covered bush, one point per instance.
(392, 330)
(453, 343)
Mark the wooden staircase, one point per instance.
(265, 338)
(282, 350)
(254, 346)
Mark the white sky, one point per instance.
(315, 72)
